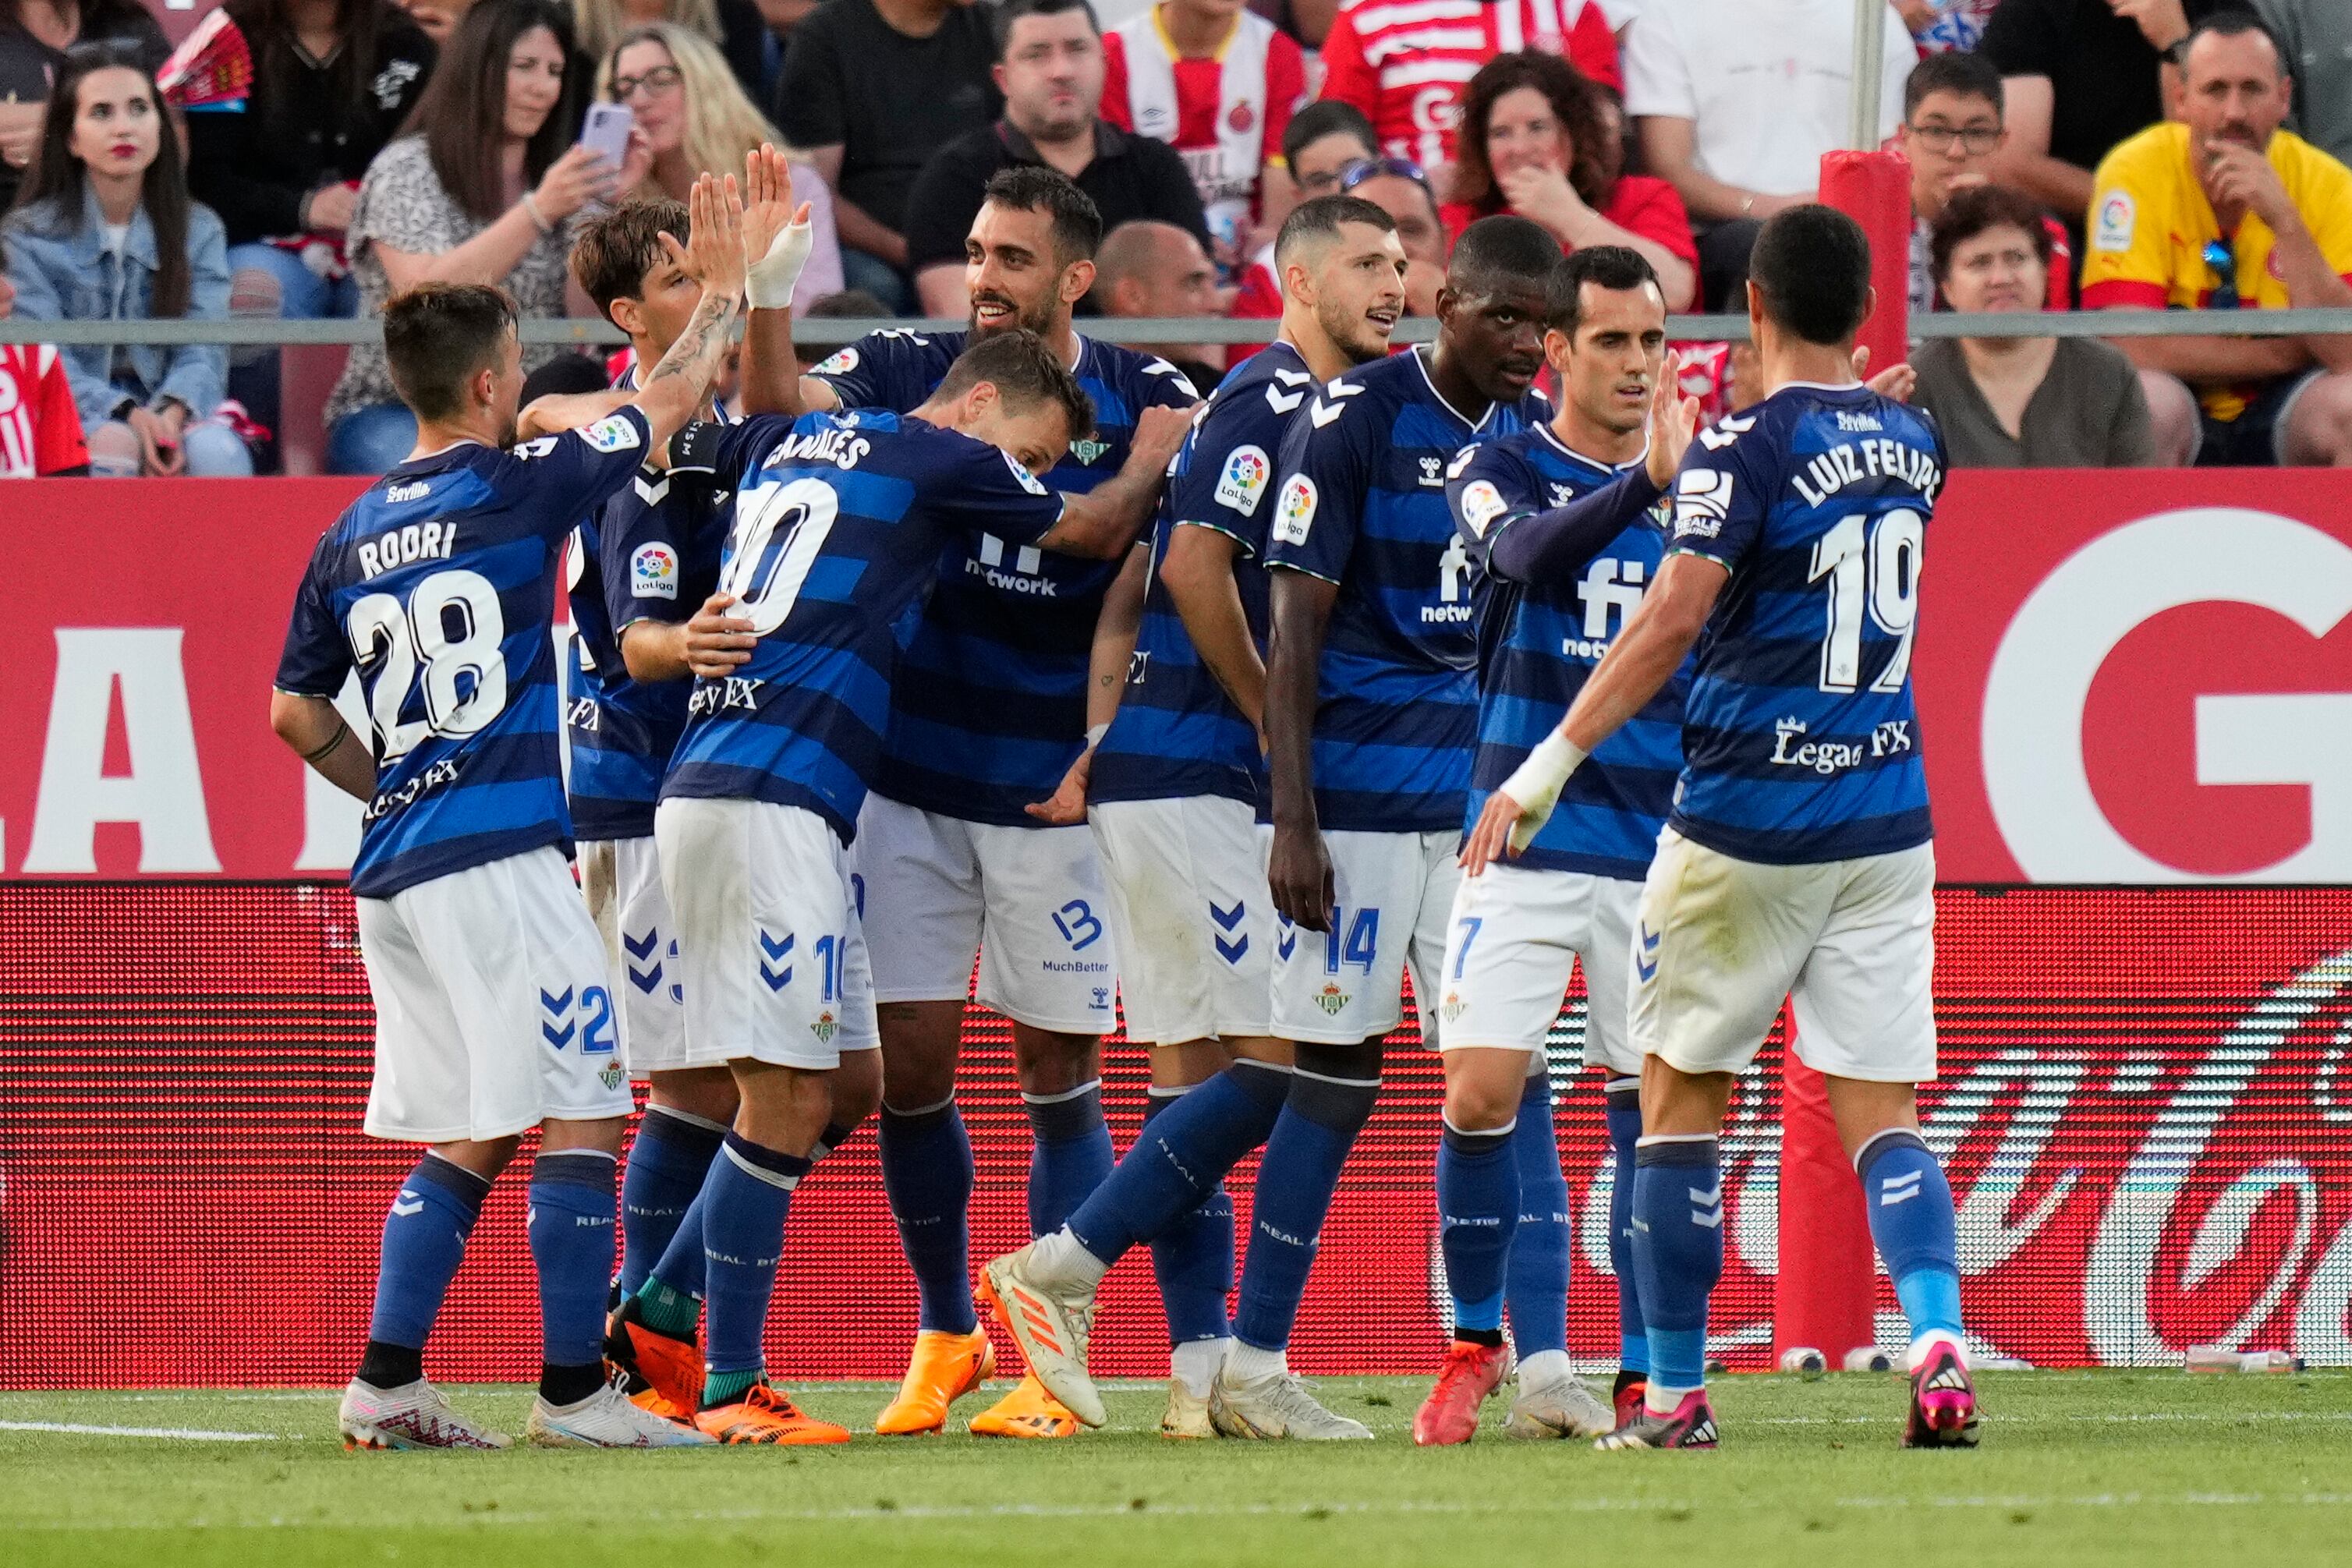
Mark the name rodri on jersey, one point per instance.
(1538, 645)
(437, 586)
(1361, 504)
(840, 521)
(1177, 734)
(1801, 739)
(990, 705)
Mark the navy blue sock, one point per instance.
(1186, 1147)
(1911, 1220)
(1192, 1255)
(1477, 1210)
(1624, 1130)
(424, 1242)
(668, 1163)
(743, 1210)
(570, 1225)
(1535, 1279)
(1069, 1154)
(1331, 1097)
(927, 1174)
(1677, 1252)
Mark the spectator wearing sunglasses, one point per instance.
(1952, 131)
(2223, 210)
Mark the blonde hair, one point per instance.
(601, 23)
(721, 124)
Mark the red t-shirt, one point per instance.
(1640, 204)
(40, 426)
(1224, 116)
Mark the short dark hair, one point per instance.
(1813, 265)
(436, 336)
(1026, 371)
(1501, 250)
(2235, 22)
(614, 252)
(1012, 11)
(461, 113)
(1959, 73)
(1032, 187)
(1326, 117)
(563, 375)
(1321, 219)
(1976, 208)
(849, 305)
(1611, 266)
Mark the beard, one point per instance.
(1349, 332)
(1037, 318)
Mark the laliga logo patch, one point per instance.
(1294, 514)
(1481, 504)
(1028, 480)
(840, 364)
(611, 433)
(653, 572)
(2118, 217)
(1244, 479)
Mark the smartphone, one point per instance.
(607, 131)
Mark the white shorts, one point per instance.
(1515, 934)
(1189, 910)
(769, 938)
(1395, 892)
(492, 1013)
(1852, 944)
(1029, 902)
(622, 878)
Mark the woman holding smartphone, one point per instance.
(484, 186)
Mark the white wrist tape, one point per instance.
(1537, 783)
(1095, 732)
(769, 281)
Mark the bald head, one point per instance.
(1145, 267)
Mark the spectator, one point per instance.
(1403, 65)
(1735, 102)
(104, 231)
(2021, 403)
(484, 186)
(733, 27)
(436, 19)
(849, 305)
(1219, 85)
(1952, 132)
(1535, 141)
(1399, 188)
(2229, 212)
(1050, 70)
(2081, 75)
(1945, 26)
(40, 427)
(1146, 268)
(871, 90)
(1323, 138)
(696, 119)
(2317, 38)
(34, 37)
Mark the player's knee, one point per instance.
(857, 1087)
(600, 1136)
(784, 1107)
(1483, 1089)
(485, 1158)
(2319, 427)
(1183, 1066)
(1047, 1062)
(705, 1092)
(919, 1057)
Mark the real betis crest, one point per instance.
(825, 1027)
(1331, 998)
(1089, 449)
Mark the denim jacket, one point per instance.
(68, 274)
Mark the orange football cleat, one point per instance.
(655, 1402)
(669, 1367)
(1450, 1414)
(944, 1369)
(1027, 1412)
(765, 1415)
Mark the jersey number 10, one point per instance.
(1872, 565)
(764, 573)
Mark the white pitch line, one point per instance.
(183, 1433)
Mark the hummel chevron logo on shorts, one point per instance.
(772, 949)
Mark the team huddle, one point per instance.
(999, 647)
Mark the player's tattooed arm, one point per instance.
(1102, 523)
(317, 734)
(559, 412)
(1199, 572)
(1298, 869)
(677, 387)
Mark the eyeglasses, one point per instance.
(2223, 264)
(1364, 169)
(1979, 140)
(659, 79)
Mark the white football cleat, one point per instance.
(1187, 1416)
(1559, 1407)
(1277, 1406)
(1051, 1326)
(413, 1415)
(607, 1418)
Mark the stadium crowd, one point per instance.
(2064, 154)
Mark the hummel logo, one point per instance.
(1285, 940)
(772, 949)
(1282, 402)
(1323, 413)
(1708, 1206)
(1896, 1189)
(1293, 378)
(651, 491)
(403, 1206)
(1646, 962)
(557, 1006)
(1725, 431)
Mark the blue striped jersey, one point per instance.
(990, 704)
(1538, 642)
(1800, 738)
(1361, 503)
(649, 553)
(1177, 734)
(437, 586)
(840, 520)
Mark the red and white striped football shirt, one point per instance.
(1403, 62)
(40, 428)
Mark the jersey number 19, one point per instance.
(1872, 565)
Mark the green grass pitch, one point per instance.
(2150, 1468)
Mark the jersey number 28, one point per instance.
(1872, 565)
(451, 625)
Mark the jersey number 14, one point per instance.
(1872, 565)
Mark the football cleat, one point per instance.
(1187, 1416)
(607, 1418)
(763, 1415)
(1450, 1414)
(413, 1416)
(1627, 1398)
(1027, 1412)
(1691, 1425)
(1277, 1406)
(1561, 1407)
(1943, 1400)
(1050, 1329)
(671, 1369)
(944, 1369)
